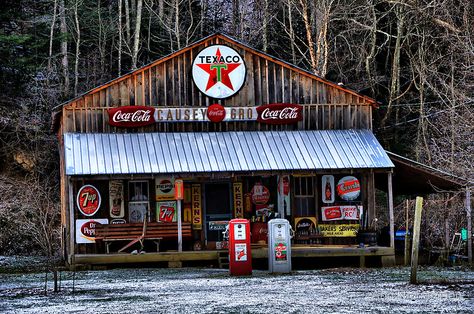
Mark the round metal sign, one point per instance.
(88, 200)
(219, 71)
(348, 188)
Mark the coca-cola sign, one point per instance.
(279, 113)
(216, 113)
(131, 116)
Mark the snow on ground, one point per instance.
(192, 290)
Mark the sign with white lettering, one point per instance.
(279, 113)
(131, 116)
(350, 212)
(85, 229)
(218, 71)
(348, 188)
(88, 200)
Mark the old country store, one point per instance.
(248, 136)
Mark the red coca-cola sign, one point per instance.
(131, 116)
(216, 113)
(279, 113)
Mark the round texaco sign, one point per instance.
(219, 71)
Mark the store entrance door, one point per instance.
(217, 211)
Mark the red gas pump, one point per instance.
(240, 256)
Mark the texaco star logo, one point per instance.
(219, 71)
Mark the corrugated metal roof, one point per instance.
(159, 153)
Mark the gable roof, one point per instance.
(235, 42)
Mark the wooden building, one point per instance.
(248, 134)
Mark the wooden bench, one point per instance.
(155, 231)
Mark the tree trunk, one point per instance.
(309, 36)
(120, 37)
(51, 34)
(64, 52)
(127, 21)
(78, 43)
(136, 37)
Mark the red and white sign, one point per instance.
(341, 213)
(260, 194)
(216, 113)
(166, 211)
(348, 188)
(218, 71)
(85, 229)
(131, 116)
(88, 200)
(178, 189)
(279, 113)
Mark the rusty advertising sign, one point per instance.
(238, 200)
(196, 206)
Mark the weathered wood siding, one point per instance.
(168, 83)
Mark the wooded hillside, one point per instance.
(415, 57)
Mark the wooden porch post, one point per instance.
(71, 250)
(390, 211)
(469, 224)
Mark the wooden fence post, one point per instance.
(469, 225)
(416, 239)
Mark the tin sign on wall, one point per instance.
(88, 200)
(279, 113)
(164, 188)
(85, 229)
(116, 202)
(238, 200)
(219, 71)
(327, 185)
(196, 206)
(348, 188)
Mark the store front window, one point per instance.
(138, 203)
(304, 197)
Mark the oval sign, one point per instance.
(88, 200)
(219, 71)
(88, 229)
(216, 113)
(348, 188)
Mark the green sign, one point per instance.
(463, 234)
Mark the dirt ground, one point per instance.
(191, 290)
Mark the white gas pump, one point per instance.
(279, 246)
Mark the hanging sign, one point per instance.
(327, 185)
(166, 211)
(218, 71)
(338, 230)
(341, 213)
(131, 116)
(116, 203)
(88, 200)
(178, 189)
(164, 188)
(284, 195)
(279, 113)
(85, 229)
(196, 206)
(238, 200)
(348, 188)
(260, 194)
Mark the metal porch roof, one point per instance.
(192, 152)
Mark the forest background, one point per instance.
(416, 57)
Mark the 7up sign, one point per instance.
(219, 71)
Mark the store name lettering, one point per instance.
(219, 59)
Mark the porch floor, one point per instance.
(297, 251)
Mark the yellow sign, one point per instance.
(238, 200)
(196, 206)
(345, 230)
